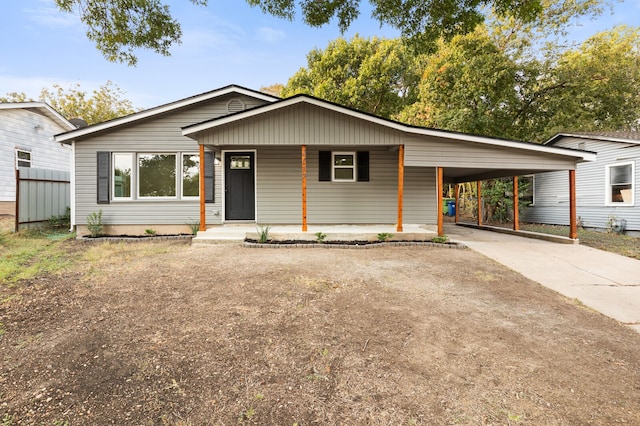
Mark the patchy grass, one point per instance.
(609, 241)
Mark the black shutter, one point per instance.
(363, 166)
(324, 166)
(209, 177)
(103, 172)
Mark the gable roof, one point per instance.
(628, 137)
(193, 130)
(41, 108)
(172, 106)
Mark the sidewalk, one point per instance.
(606, 282)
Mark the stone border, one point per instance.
(186, 239)
(450, 245)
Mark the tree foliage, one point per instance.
(375, 75)
(103, 104)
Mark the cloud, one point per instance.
(270, 35)
(49, 16)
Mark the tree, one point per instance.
(119, 27)
(375, 75)
(273, 90)
(104, 104)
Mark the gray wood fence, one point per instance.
(40, 194)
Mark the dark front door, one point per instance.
(240, 186)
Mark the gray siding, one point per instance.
(302, 122)
(430, 151)
(160, 134)
(279, 189)
(552, 189)
(17, 130)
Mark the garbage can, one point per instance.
(451, 206)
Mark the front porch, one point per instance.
(238, 232)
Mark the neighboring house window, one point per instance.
(122, 174)
(190, 175)
(343, 166)
(619, 181)
(23, 158)
(526, 187)
(157, 175)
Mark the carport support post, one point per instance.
(573, 227)
(303, 149)
(516, 215)
(479, 197)
(400, 186)
(440, 186)
(203, 219)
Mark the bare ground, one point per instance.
(226, 335)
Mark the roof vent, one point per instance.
(78, 122)
(235, 105)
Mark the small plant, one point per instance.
(2, 330)
(247, 414)
(7, 420)
(320, 237)
(194, 225)
(263, 233)
(440, 239)
(60, 222)
(150, 231)
(94, 223)
(384, 236)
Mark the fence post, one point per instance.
(17, 217)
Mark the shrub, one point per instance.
(94, 223)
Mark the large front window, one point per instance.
(157, 175)
(620, 178)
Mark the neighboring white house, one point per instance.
(26, 140)
(607, 189)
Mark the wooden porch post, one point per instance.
(400, 186)
(479, 193)
(573, 226)
(303, 149)
(203, 219)
(516, 213)
(439, 187)
(457, 200)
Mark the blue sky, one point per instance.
(226, 42)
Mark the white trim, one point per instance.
(193, 130)
(223, 201)
(175, 183)
(44, 108)
(161, 110)
(26, 151)
(353, 167)
(559, 136)
(607, 188)
(72, 187)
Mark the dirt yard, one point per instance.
(146, 334)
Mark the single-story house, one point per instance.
(606, 189)
(26, 140)
(235, 155)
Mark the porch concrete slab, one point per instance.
(239, 232)
(606, 282)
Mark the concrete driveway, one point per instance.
(606, 282)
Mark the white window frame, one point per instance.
(30, 160)
(177, 167)
(181, 177)
(134, 170)
(354, 166)
(607, 190)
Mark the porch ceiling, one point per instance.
(461, 174)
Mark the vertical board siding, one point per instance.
(303, 122)
(43, 194)
(17, 130)
(159, 134)
(552, 190)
